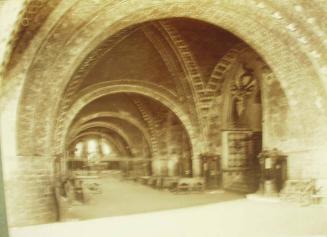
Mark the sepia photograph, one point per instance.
(165, 118)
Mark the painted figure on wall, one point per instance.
(241, 89)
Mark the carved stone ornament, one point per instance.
(242, 87)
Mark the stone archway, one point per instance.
(225, 18)
(85, 121)
(107, 114)
(107, 125)
(149, 90)
(45, 73)
(120, 147)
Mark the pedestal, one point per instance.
(273, 172)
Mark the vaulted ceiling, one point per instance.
(163, 54)
(77, 52)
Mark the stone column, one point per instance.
(156, 167)
(29, 189)
(196, 167)
(173, 166)
(99, 147)
(84, 149)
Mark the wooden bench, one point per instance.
(305, 191)
(86, 186)
(170, 182)
(299, 191)
(320, 194)
(152, 181)
(191, 184)
(143, 179)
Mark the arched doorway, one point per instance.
(166, 159)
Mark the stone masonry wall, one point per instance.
(289, 37)
(29, 190)
(306, 156)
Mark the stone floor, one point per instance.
(202, 215)
(128, 197)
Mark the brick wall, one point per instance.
(275, 112)
(291, 44)
(285, 128)
(29, 190)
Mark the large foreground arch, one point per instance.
(295, 54)
(272, 45)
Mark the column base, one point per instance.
(29, 191)
(196, 167)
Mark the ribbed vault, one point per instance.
(160, 79)
(226, 16)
